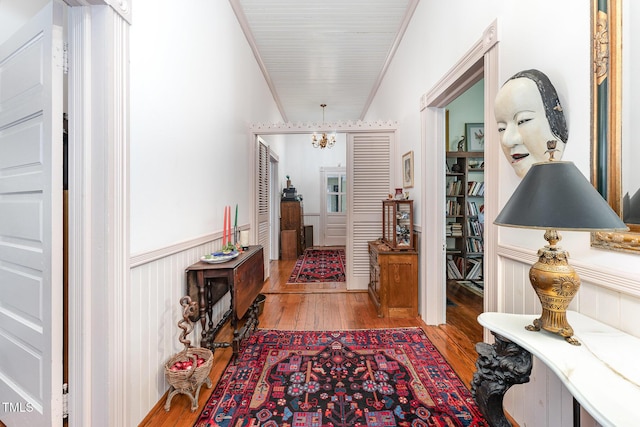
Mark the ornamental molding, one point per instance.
(340, 126)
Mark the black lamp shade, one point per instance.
(556, 195)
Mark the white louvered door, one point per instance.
(31, 93)
(263, 202)
(369, 182)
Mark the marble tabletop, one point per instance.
(603, 374)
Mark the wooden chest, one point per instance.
(393, 280)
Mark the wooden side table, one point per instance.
(207, 283)
(393, 280)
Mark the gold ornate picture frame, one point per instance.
(606, 138)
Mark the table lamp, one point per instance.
(555, 195)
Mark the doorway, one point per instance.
(480, 61)
(464, 207)
(363, 142)
(333, 207)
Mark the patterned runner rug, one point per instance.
(381, 377)
(319, 265)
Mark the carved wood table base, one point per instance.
(499, 366)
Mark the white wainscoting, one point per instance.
(544, 401)
(153, 308)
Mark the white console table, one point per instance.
(602, 374)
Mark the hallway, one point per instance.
(312, 307)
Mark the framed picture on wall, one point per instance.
(407, 170)
(474, 134)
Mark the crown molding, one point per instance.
(309, 127)
(121, 7)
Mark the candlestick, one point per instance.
(244, 238)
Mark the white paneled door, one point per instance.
(31, 68)
(333, 206)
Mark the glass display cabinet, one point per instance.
(397, 224)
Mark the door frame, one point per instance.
(98, 107)
(324, 171)
(478, 62)
(256, 130)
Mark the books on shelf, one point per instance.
(474, 245)
(475, 227)
(475, 188)
(454, 188)
(454, 229)
(453, 267)
(454, 208)
(464, 215)
(472, 209)
(474, 269)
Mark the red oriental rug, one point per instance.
(319, 265)
(375, 378)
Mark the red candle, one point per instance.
(224, 228)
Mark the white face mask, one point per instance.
(523, 126)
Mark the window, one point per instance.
(336, 192)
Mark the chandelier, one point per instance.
(324, 141)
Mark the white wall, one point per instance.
(467, 108)
(195, 89)
(15, 13)
(439, 35)
(303, 162)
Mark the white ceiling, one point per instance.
(325, 51)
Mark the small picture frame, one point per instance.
(407, 170)
(474, 135)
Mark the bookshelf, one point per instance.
(464, 194)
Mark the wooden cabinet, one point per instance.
(397, 224)
(465, 218)
(393, 280)
(292, 218)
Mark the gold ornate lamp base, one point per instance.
(555, 283)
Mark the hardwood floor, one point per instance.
(317, 307)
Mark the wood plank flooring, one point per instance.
(318, 307)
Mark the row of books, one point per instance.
(475, 188)
(456, 265)
(454, 208)
(454, 229)
(472, 209)
(454, 188)
(475, 245)
(474, 269)
(475, 227)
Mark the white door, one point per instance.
(31, 222)
(263, 232)
(369, 182)
(333, 208)
(274, 213)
